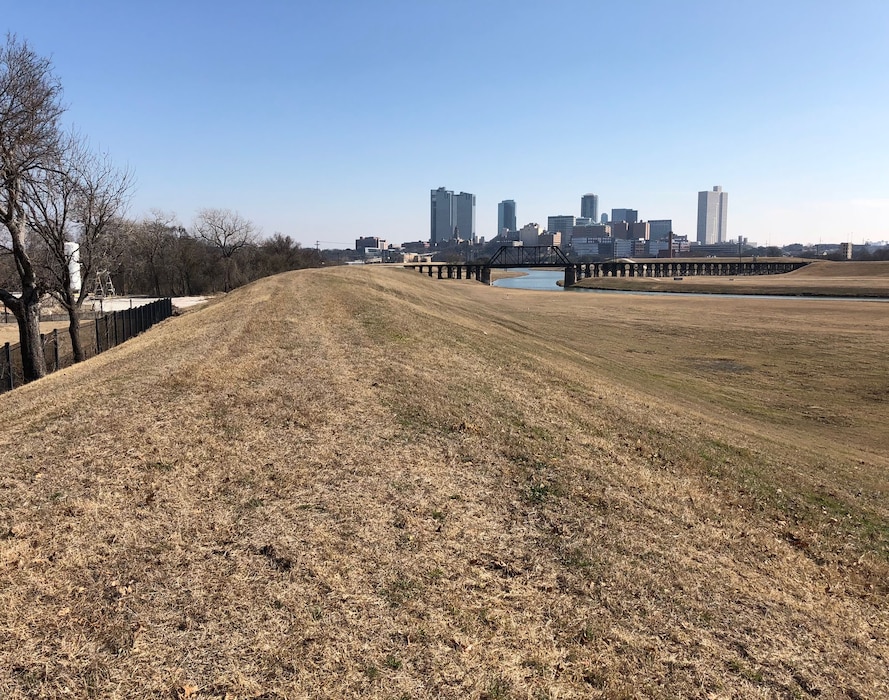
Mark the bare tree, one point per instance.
(151, 254)
(74, 207)
(30, 109)
(228, 232)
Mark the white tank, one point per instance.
(72, 253)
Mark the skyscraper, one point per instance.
(589, 206)
(451, 216)
(712, 215)
(506, 216)
(442, 225)
(464, 216)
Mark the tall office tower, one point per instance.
(464, 216)
(451, 216)
(712, 215)
(561, 223)
(631, 216)
(589, 206)
(506, 216)
(442, 226)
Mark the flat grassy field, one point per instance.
(9, 332)
(363, 482)
(820, 278)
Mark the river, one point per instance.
(546, 280)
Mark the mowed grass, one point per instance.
(818, 278)
(364, 482)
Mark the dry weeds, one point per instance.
(366, 483)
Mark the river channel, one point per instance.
(546, 280)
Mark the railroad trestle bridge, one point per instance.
(553, 256)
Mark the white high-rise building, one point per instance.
(712, 216)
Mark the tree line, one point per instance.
(63, 225)
(221, 250)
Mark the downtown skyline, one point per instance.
(284, 112)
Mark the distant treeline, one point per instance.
(158, 257)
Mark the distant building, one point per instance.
(506, 216)
(846, 251)
(639, 230)
(712, 216)
(599, 231)
(373, 254)
(452, 216)
(415, 246)
(529, 234)
(603, 219)
(588, 245)
(550, 239)
(561, 224)
(631, 216)
(661, 248)
(362, 244)
(589, 206)
(659, 229)
(620, 229)
(464, 216)
(585, 228)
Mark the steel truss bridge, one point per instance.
(553, 256)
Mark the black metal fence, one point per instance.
(95, 336)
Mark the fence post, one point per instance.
(55, 340)
(98, 348)
(7, 353)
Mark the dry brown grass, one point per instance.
(9, 332)
(366, 483)
(820, 278)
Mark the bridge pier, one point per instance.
(570, 276)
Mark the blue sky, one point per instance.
(327, 120)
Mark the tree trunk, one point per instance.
(28, 316)
(74, 332)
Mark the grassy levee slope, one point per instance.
(367, 483)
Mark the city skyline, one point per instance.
(337, 97)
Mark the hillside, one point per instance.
(362, 482)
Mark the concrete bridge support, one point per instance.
(570, 276)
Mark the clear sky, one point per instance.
(330, 119)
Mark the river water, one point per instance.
(546, 280)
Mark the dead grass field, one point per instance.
(362, 482)
(820, 278)
(9, 332)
